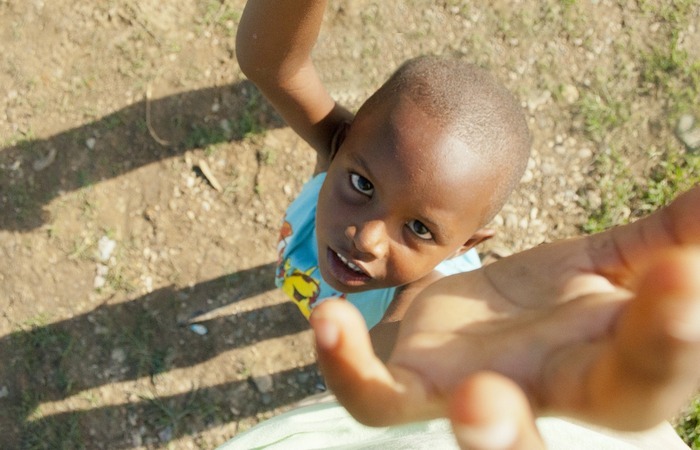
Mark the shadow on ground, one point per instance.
(35, 171)
(147, 336)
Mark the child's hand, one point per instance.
(604, 328)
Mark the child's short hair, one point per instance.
(473, 105)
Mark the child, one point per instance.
(402, 191)
(556, 324)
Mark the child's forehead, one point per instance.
(413, 138)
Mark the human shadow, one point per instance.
(35, 171)
(148, 336)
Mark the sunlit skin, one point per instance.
(400, 196)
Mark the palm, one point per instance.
(558, 320)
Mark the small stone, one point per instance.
(263, 383)
(4, 392)
(569, 93)
(90, 143)
(118, 355)
(534, 102)
(688, 132)
(101, 276)
(136, 439)
(685, 123)
(166, 434)
(199, 329)
(105, 247)
(511, 221)
(42, 163)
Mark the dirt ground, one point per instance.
(142, 181)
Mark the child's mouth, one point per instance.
(345, 270)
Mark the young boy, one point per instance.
(603, 328)
(402, 191)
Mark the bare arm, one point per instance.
(602, 328)
(384, 334)
(273, 48)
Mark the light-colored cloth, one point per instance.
(328, 426)
(297, 270)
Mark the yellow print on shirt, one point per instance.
(300, 287)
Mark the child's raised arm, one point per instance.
(273, 47)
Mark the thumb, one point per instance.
(490, 412)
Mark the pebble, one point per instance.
(105, 247)
(199, 329)
(166, 434)
(118, 355)
(263, 383)
(90, 143)
(42, 163)
(688, 132)
(569, 93)
(4, 392)
(101, 276)
(534, 102)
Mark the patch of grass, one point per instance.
(674, 13)
(117, 280)
(54, 433)
(616, 189)
(177, 413)
(601, 114)
(249, 123)
(220, 14)
(43, 349)
(674, 174)
(143, 352)
(267, 156)
(205, 138)
(688, 425)
(623, 197)
(669, 71)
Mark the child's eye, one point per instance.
(361, 184)
(420, 230)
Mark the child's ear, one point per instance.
(481, 235)
(338, 137)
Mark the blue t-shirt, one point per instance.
(297, 267)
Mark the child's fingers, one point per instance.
(372, 393)
(653, 364)
(489, 411)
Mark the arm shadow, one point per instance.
(148, 337)
(35, 171)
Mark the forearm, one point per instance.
(273, 47)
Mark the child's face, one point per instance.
(400, 196)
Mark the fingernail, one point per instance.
(685, 323)
(498, 436)
(327, 334)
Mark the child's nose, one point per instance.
(370, 238)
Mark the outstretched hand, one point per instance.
(604, 328)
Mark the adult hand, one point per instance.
(604, 328)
